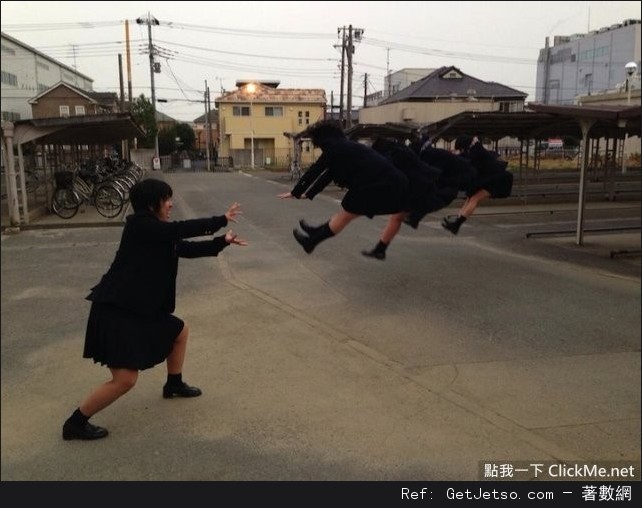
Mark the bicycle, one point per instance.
(295, 171)
(72, 191)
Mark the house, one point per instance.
(254, 117)
(27, 72)
(200, 131)
(444, 92)
(395, 82)
(65, 100)
(164, 121)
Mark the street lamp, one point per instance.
(251, 89)
(631, 68)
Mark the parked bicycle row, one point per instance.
(104, 184)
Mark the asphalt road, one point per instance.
(456, 352)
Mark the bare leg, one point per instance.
(318, 234)
(393, 226)
(175, 385)
(341, 220)
(389, 232)
(177, 356)
(122, 381)
(468, 208)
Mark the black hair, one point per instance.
(383, 145)
(149, 193)
(463, 142)
(324, 130)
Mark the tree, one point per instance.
(186, 134)
(143, 113)
(176, 137)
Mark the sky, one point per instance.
(295, 43)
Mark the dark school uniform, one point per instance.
(130, 323)
(375, 186)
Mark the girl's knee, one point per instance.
(182, 337)
(126, 380)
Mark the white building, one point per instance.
(26, 72)
(396, 81)
(583, 64)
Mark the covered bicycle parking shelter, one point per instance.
(542, 121)
(58, 138)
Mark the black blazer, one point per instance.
(348, 163)
(142, 277)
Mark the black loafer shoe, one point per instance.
(86, 431)
(309, 229)
(304, 241)
(451, 225)
(374, 254)
(182, 390)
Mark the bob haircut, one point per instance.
(324, 130)
(148, 194)
(463, 142)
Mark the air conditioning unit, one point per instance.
(408, 114)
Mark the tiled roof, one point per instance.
(438, 85)
(269, 94)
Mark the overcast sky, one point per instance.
(294, 42)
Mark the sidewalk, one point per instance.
(41, 218)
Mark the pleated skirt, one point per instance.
(381, 197)
(118, 338)
(499, 185)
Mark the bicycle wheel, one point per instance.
(65, 203)
(108, 201)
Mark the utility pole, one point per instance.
(129, 65)
(342, 31)
(353, 35)
(209, 122)
(388, 73)
(350, 51)
(124, 149)
(365, 90)
(331, 104)
(207, 127)
(153, 67)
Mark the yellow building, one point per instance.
(254, 117)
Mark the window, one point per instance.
(241, 111)
(273, 111)
(42, 65)
(10, 116)
(510, 107)
(300, 117)
(8, 50)
(64, 111)
(80, 110)
(307, 118)
(9, 79)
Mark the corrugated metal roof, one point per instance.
(542, 122)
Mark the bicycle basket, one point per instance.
(63, 178)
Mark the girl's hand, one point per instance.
(232, 238)
(232, 212)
